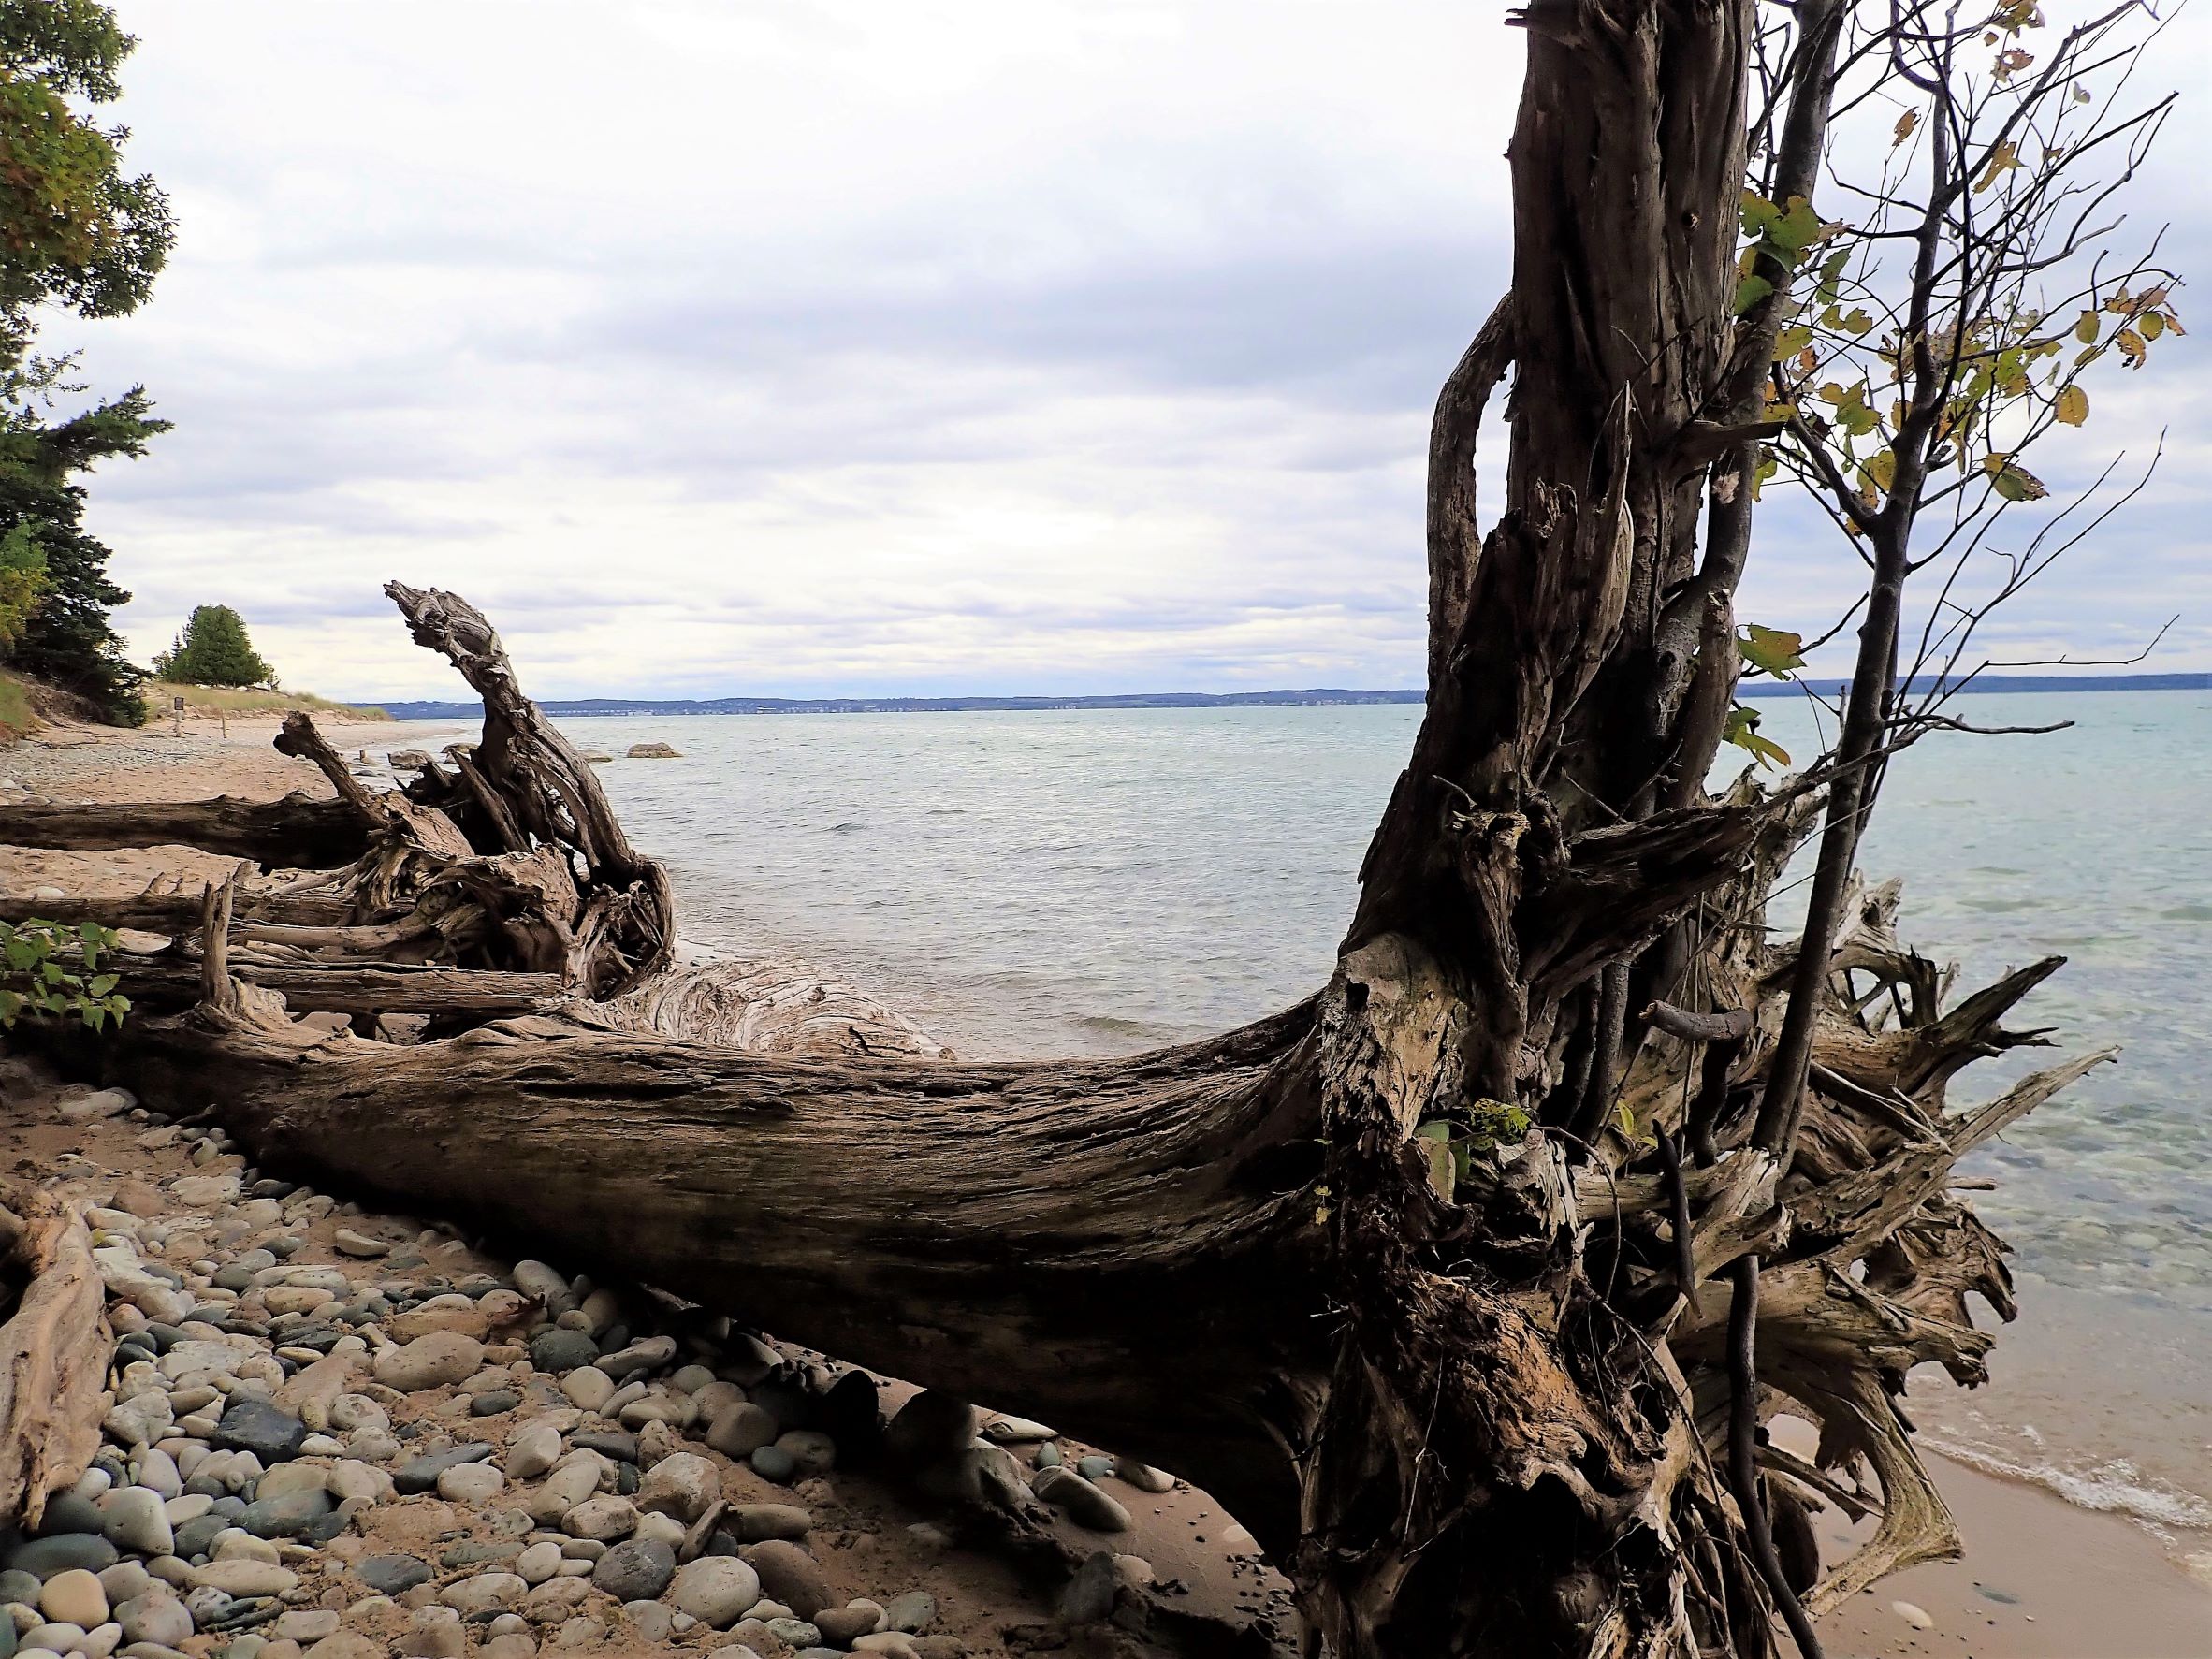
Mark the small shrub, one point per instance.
(37, 975)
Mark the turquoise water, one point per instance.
(1104, 882)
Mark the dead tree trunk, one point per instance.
(1412, 1276)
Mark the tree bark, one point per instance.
(295, 833)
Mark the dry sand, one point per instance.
(2041, 1579)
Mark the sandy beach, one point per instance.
(2040, 1578)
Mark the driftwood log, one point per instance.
(53, 1351)
(1444, 1279)
(1145, 1250)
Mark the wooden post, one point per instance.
(176, 715)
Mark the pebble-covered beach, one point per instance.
(343, 1434)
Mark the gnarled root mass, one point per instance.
(1461, 1364)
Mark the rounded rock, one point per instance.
(716, 1590)
(74, 1597)
(637, 1571)
(431, 1362)
(789, 1575)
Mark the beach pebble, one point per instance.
(533, 1451)
(74, 1597)
(811, 1452)
(789, 1575)
(648, 1620)
(756, 1523)
(589, 1386)
(1143, 1476)
(484, 1595)
(267, 1432)
(929, 1429)
(635, 1571)
(742, 1430)
(839, 1625)
(350, 1242)
(1917, 1616)
(391, 1575)
(716, 1590)
(539, 1561)
(471, 1483)
(429, 1362)
(604, 1519)
(1081, 1502)
(134, 1519)
(244, 1578)
(682, 1486)
(156, 1617)
(422, 1473)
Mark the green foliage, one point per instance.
(23, 580)
(1450, 1144)
(75, 232)
(213, 650)
(67, 640)
(1742, 729)
(48, 969)
(78, 232)
(1770, 650)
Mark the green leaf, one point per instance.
(1742, 729)
(1797, 229)
(1750, 290)
(1770, 650)
(1755, 213)
(2014, 481)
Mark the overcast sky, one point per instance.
(810, 346)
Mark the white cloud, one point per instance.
(791, 347)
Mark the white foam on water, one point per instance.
(2114, 1488)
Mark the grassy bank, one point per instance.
(16, 716)
(203, 702)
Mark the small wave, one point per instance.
(851, 827)
(946, 813)
(1109, 1025)
(2117, 1487)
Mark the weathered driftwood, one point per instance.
(1145, 1250)
(298, 832)
(53, 1353)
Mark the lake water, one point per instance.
(1101, 881)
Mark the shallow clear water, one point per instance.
(1103, 882)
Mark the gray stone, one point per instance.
(1093, 1467)
(288, 1515)
(913, 1612)
(269, 1432)
(44, 1557)
(493, 1403)
(772, 1462)
(533, 1451)
(839, 1625)
(157, 1616)
(650, 1620)
(716, 1590)
(638, 1570)
(421, 1473)
(562, 1351)
(742, 1430)
(1081, 1502)
(133, 1518)
(647, 1354)
(1088, 1598)
(794, 1633)
(789, 1575)
(930, 1428)
(392, 1574)
(1143, 1476)
(756, 1523)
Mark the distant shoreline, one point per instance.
(585, 707)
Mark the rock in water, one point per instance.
(653, 751)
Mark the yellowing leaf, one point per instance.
(1882, 469)
(2003, 158)
(2072, 406)
(1771, 649)
(2151, 324)
(2084, 329)
(2130, 347)
(2013, 482)
(1905, 123)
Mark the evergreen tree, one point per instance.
(75, 231)
(213, 650)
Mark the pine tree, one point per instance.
(75, 232)
(213, 650)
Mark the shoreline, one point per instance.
(2042, 1578)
